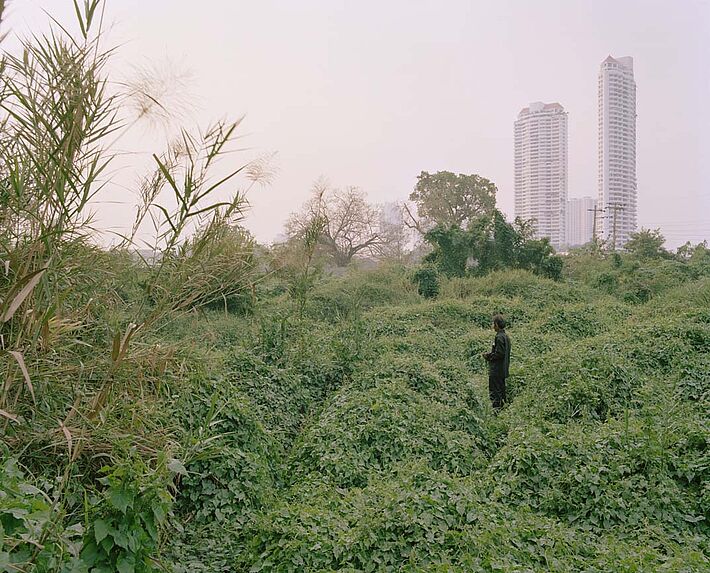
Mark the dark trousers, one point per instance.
(496, 390)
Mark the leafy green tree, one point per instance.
(693, 253)
(697, 257)
(450, 200)
(502, 245)
(647, 244)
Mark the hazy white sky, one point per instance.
(370, 93)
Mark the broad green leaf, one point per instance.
(121, 499)
(126, 564)
(29, 283)
(101, 530)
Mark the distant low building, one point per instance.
(580, 221)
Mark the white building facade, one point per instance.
(580, 221)
(617, 195)
(541, 169)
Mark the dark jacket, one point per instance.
(499, 357)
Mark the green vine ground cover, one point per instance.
(372, 447)
(359, 437)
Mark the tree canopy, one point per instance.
(448, 199)
(647, 244)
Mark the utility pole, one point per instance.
(616, 207)
(595, 237)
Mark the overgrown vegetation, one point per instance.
(220, 408)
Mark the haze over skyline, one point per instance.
(370, 94)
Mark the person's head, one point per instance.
(498, 322)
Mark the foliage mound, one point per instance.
(599, 463)
(366, 432)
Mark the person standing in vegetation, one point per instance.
(498, 363)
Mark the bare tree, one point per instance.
(352, 225)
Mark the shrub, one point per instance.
(427, 280)
(126, 518)
(359, 291)
(230, 459)
(33, 535)
(573, 321)
(611, 476)
(398, 523)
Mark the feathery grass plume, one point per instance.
(262, 170)
(158, 93)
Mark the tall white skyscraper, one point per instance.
(580, 221)
(617, 151)
(541, 169)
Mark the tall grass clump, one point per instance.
(86, 377)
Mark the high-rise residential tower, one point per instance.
(617, 151)
(580, 221)
(541, 169)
